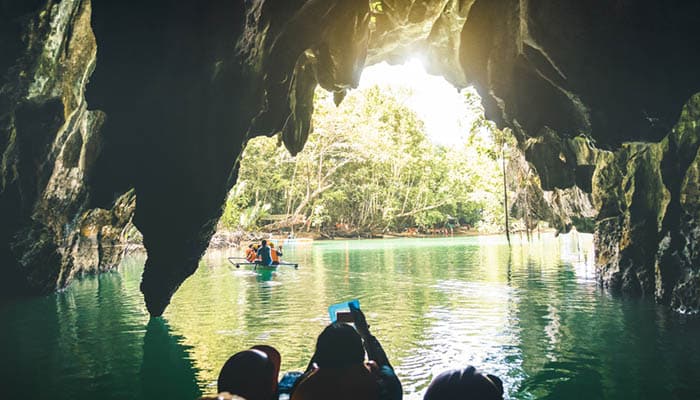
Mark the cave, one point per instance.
(118, 112)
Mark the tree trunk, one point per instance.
(505, 192)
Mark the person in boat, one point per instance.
(264, 254)
(467, 383)
(275, 254)
(276, 358)
(251, 252)
(338, 370)
(222, 396)
(251, 374)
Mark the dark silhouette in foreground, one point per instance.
(223, 396)
(338, 370)
(465, 384)
(251, 374)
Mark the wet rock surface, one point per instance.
(185, 84)
(646, 233)
(49, 143)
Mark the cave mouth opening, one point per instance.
(406, 152)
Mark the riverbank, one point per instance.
(223, 239)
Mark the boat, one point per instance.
(242, 262)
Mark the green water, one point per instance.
(532, 315)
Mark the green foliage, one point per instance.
(368, 165)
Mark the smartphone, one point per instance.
(342, 310)
(344, 316)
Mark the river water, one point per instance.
(532, 315)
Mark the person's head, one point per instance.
(275, 358)
(465, 384)
(263, 243)
(223, 396)
(272, 245)
(339, 345)
(248, 374)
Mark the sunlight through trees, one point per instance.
(369, 166)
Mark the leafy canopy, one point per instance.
(369, 166)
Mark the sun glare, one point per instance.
(439, 104)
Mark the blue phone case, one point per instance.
(344, 306)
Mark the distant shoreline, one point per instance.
(232, 239)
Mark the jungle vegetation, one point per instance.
(369, 166)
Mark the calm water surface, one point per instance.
(532, 315)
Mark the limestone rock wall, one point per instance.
(647, 229)
(631, 197)
(677, 263)
(564, 208)
(49, 142)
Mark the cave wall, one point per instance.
(184, 84)
(647, 229)
(49, 142)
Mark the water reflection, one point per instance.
(166, 371)
(78, 344)
(94, 340)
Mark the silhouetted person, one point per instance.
(274, 356)
(264, 254)
(465, 384)
(338, 371)
(251, 253)
(275, 253)
(223, 396)
(250, 374)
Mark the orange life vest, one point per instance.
(250, 255)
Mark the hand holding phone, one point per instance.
(343, 310)
(360, 321)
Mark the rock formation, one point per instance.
(185, 83)
(647, 232)
(49, 143)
